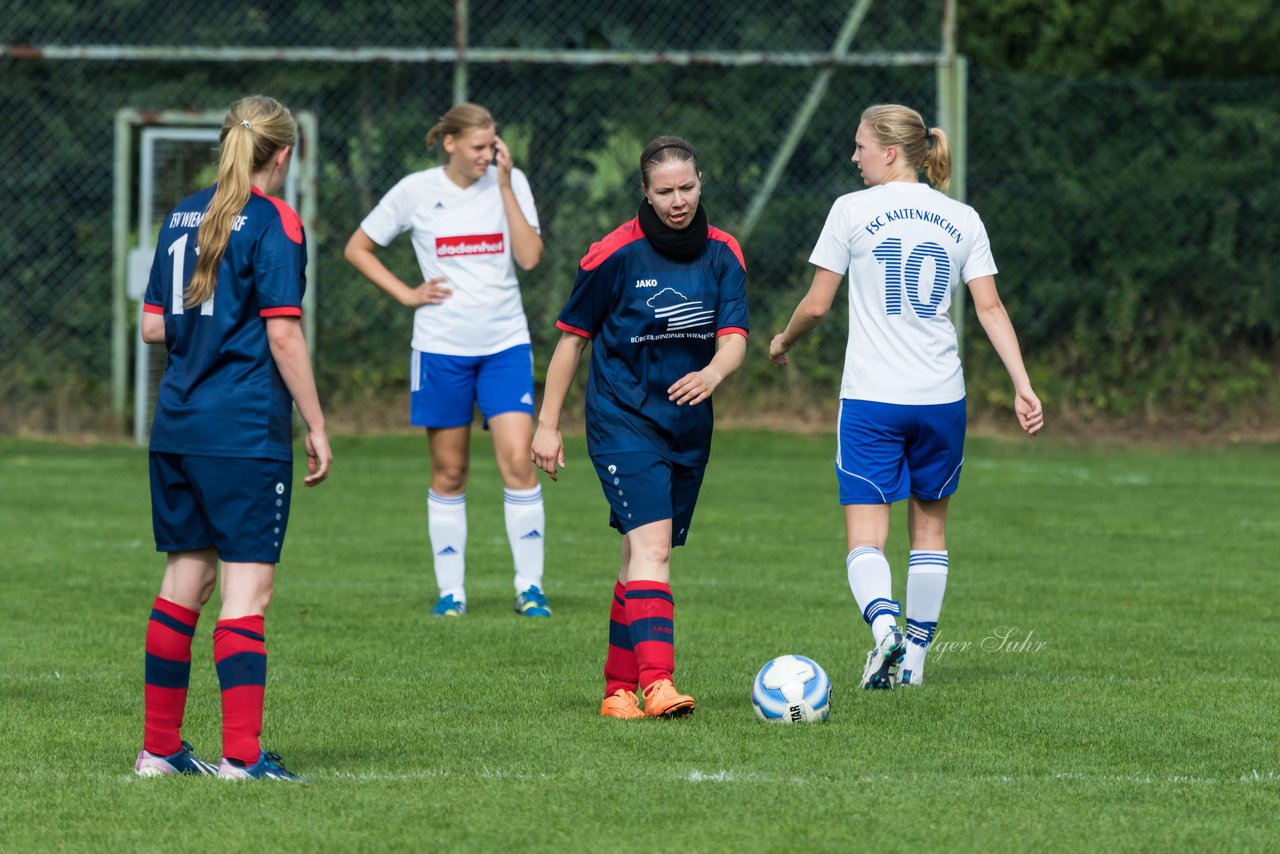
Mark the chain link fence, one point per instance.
(1080, 183)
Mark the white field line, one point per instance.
(725, 776)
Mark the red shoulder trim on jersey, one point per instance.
(288, 216)
(152, 308)
(729, 240)
(731, 330)
(628, 232)
(572, 330)
(282, 311)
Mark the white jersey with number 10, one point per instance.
(904, 246)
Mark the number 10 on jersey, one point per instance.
(900, 274)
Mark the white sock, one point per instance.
(926, 583)
(526, 531)
(872, 586)
(447, 526)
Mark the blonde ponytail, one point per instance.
(937, 162)
(904, 128)
(254, 130)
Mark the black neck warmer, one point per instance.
(683, 245)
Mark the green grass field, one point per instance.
(1141, 714)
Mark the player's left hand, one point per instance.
(777, 350)
(319, 457)
(502, 157)
(694, 387)
(547, 451)
(1029, 411)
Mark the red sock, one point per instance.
(620, 668)
(240, 652)
(651, 615)
(168, 672)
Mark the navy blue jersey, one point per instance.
(221, 394)
(651, 320)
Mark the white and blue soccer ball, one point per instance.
(792, 689)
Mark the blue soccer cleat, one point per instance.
(533, 603)
(268, 767)
(184, 761)
(882, 662)
(449, 607)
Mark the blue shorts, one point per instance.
(888, 451)
(239, 507)
(444, 390)
(643, 488)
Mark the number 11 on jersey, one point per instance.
(178, 249)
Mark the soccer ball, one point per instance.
(792, 689)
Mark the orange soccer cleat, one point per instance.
(662, 700)
(621, 704)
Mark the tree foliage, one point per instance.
(1164, 39)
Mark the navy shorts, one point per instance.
(445, 390)
(888, 451)
(643, 488)
(239, 507)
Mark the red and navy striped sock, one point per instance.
(240, 653)
(651, 615)
(620, 668)
(168, 672)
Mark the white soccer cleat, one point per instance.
(882, 662)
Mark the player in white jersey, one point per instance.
(471, 221)
(902, 407)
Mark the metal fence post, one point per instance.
(120, 249)
(953, 82)
(461, 21)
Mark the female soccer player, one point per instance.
(902, 407)
(471, 219)
(663, 299)
(221, 443)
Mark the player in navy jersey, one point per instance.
(662, 300)
(472, 220)
(905, 247)
(221, 443)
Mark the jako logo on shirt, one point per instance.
(646, 283)
(469, 244)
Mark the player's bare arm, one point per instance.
(289, 349)
(526, 243)
(547, 448)
(994, 319)
(808, 314)
(361, 253)
(152, 328)
(697, 386)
